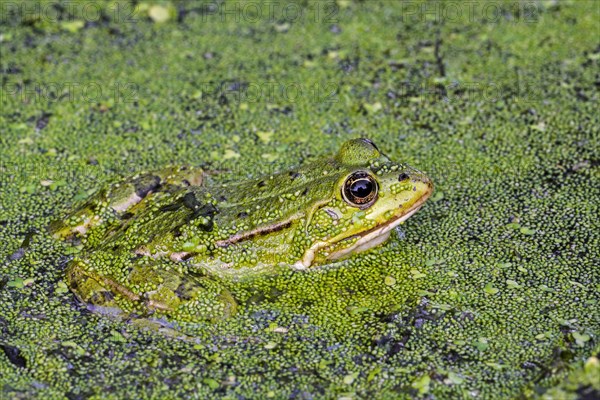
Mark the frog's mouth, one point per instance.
(366, 240)
(375, 236)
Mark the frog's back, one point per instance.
(150, 213)
(272, 200)
(119, 203)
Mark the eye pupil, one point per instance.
(360, 189)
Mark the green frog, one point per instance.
(165, 243)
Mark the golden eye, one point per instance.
(360, 190)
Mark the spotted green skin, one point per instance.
(166, 242)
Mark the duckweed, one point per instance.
(500, 112)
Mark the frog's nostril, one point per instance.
(403, 176)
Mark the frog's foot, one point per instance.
(119, 199)
(153, 291)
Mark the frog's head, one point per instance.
(372, 195)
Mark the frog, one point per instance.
(168, 243)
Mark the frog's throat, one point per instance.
(368, 239)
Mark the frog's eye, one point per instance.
(360, 190)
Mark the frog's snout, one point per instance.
(424, 179)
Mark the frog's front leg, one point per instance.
(154, 287)
(121, 198)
